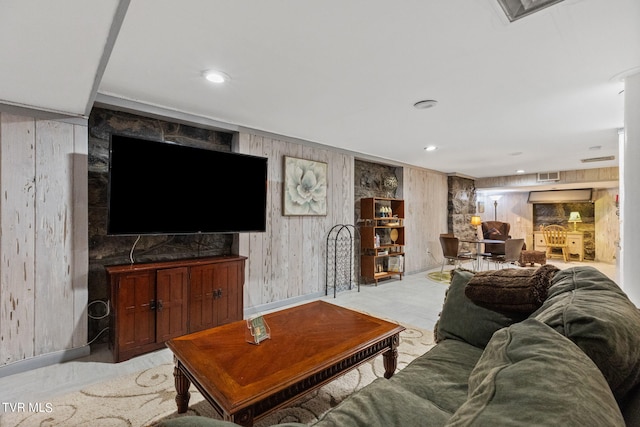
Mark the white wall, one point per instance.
(629, 200)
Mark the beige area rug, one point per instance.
(147, 397)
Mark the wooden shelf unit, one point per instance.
(151, 303)
(381, 257)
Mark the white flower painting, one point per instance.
(305, 187)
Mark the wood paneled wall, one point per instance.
(288, 260)
(43, 244)
(425, 194)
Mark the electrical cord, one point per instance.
(132, 249)
(106, 309)
(106, 314)
(97, 336)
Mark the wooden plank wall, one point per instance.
(288, 260)
(43, 244)
(425, 194)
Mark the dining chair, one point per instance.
(451, 251)
(555, 237)
(512, 251)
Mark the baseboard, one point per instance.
(248, 312)
(44, 360)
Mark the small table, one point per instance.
(310, 345)
(478, 247)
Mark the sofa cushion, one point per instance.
(463, 320)
(592, 311)
(531, 375)
(441, 375)
(383, 403)
(513, 290)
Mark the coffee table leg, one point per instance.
(182, 389)
(390, 357)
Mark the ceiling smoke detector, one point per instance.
(516, 9)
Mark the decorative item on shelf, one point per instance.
(390, 183)
(574, 217)
(396, 264)
(257, 330)
(394, 235)
(385, 212)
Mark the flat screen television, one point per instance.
(167, 188)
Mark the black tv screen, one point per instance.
(168, 188)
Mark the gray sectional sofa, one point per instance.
(573, 361)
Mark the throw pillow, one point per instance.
(587, 307)
(492, 233)
(465, 321)
(511, 291)
(531, 375)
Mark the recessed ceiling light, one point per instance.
(430, 148)
(520, 171)
(427, 103)
(215, 76)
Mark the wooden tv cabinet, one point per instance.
(151, 303)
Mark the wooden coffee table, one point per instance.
(310, 345)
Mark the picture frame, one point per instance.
(305, 187)
(258, 330)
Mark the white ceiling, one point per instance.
(536, 94)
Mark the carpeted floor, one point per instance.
(144, 398)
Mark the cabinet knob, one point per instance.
(155, 305)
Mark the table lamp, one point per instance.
(574, 217)
(476, 220)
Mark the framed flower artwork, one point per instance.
(305, 187)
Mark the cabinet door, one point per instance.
(201, 298)
(215, 297)
(171, 303)
(136, 317)
(228, 302)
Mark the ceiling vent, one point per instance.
(548, 176)
(516, 9)
(561, 196)
(598, 159)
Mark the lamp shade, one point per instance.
(575, 217)
(476, 220)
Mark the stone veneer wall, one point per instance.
(558, 213)
(110, 250)
(374, 180)
(461, 207)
